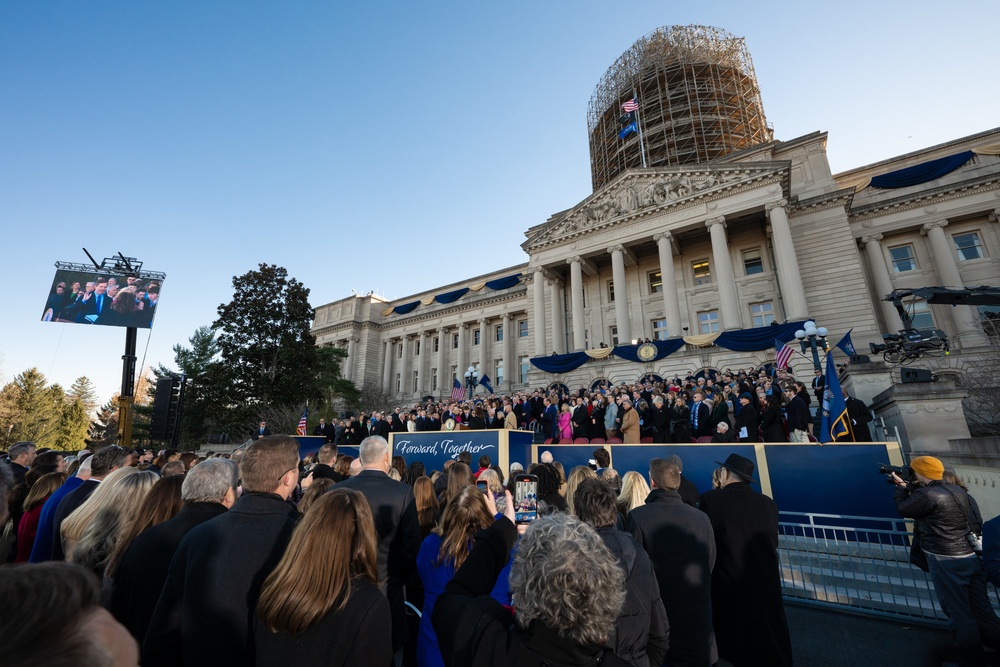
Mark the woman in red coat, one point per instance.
(28, 527)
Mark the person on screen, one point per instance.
(56, 302)
(94, 301)
(122, 311)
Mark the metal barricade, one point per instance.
(855, 563)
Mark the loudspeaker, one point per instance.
(916, 375)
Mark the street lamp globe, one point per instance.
(822, 331)
(800, 334)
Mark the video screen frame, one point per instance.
(79, 295)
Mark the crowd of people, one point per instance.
(104, 301)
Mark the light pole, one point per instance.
(813, 337)
(471, 380)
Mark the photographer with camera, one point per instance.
(942, 514)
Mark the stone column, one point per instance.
(352, 350)
(789, 277)
(443, 368)
(509, 361)
(883, 283)
(724, 278)
(387, 367)
(576, 301)
(622, 315)
(671, 299)
(558, 330)
(538, 322)
(404, 366)
(965, 317)
(463, 358)
(423, 367)
(484, 349)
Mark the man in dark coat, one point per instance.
(701, 417)
(398, 528)
(642, 632)
(209, 490)
(325, 430)
(326, 456)
(550, 420)
(381, 427)
(798, 415)
(581, 420)
(860, 416)
(681, 545)
(746, 420)
(748, 612)
(103, 462)
(662, 416)
(205, 613)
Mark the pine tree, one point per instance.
(73, 426)
(32, 409)
(83, 390)
(104, 429)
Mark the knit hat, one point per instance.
(746, 395)
(928, 466)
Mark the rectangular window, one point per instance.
(611, 292)
(454, 373)
(399, 351)
(499, 333)
(583, 294)
(655, 282)
(416, 378)
(702, 272)
(523, 362)
(752, 262)
(454, 341)
(922, 318)
(968, 246)
(989, 316)
(659, 329)
(437, 343)
(614, 335)
(416, 347)
(762, 314)
(903, 259)
(434, 379)
(522, 328)
(498, 372)
(399, 384)
(708, 321)
(475, 337)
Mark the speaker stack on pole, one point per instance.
(167, 404)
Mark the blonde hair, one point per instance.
(577, 475)
(634, 492)
(73, 526)
(42, 489)
(496, 488)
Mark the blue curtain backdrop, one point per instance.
(761, 338)
(664, 348)
(921, 173)
(561, 363)
(504, 283)
(449, 297)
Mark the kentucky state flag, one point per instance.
(835, 424)
(485, 381)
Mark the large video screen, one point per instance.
(102, 298)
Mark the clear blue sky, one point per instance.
(393, 146)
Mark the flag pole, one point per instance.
(638, 126)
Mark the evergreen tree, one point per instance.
(72, 433)
(104, 429)
(31, 409)
(83, 390)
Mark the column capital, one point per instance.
(483, 320)
(463, 326)
(660, 236)
(928, 226)
(719, 220)
(616, 248)
(575, 259)
(994, 215)
(873, 238)
(781, 203)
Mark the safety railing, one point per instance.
(855, 563)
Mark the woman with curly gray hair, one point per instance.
(567, 590)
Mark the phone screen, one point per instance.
(482, 485)
(525, 498)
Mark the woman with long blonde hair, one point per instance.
(115, 512)
(440, 556)
(73, 525)
(161, 504)
(321, 605)
(576, 475)
(634, 492)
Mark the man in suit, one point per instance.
(748, 612)
(746, 421)
(324, 429)
(326, 456)
(797, 415)
(21, 456)
(93, 305)
(681, 544)
(581, 420)
(817, 384)
(550, 420)
(381, 427)
(860, 416)
(209, 489)
(261, 432)
(104, 462)
(397, 525)
(205, 614)
(701, 416)
(509, 418)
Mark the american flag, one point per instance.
(457, 391)
(631, 105)
(301, 430)
(782, 353)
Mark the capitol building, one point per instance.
(700, 223)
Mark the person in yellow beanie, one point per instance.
(944, 519)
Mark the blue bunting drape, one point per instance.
(921, 173)
(761, 338)
(561, 363)
(449, 297)
(504, 283)
(664, 349)
(406, 308)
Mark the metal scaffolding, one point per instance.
(698, 101)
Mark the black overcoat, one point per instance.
(748, 613)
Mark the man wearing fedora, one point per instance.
(747, 610)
